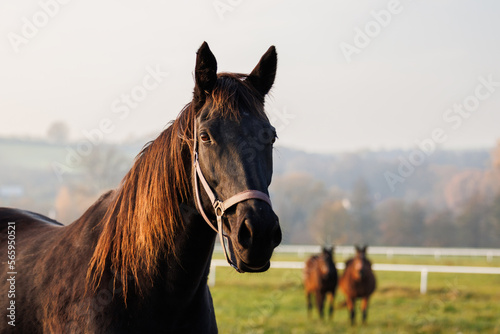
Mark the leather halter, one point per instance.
(220, 206)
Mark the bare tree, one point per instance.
(104, 168)
(364, 223)
(331, 224)
(58, 132)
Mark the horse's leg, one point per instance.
(331, 298)
(364, 308)
(320, 302)
(309, 304)
(350, 306)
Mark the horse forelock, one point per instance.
(233, 94)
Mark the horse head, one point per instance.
(233, 143)
(360, 263)
(326, 261)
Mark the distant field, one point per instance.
(274, 302)
(30, 155)
(39, 155)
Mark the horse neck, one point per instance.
(328, 265)
(182, 276)
(188, 268)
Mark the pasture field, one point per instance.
(274, 301)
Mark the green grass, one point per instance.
(274, 302)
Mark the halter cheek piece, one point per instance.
(220, 206)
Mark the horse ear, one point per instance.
(358, 249)
(263, 75)
(205, 73)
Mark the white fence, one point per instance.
(302, 250)
(423, 269)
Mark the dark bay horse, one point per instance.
(320, 280)
(358, 281)
(137, 260)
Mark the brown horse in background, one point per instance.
(358, 281)
(320, 279)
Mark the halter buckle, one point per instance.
(219, 208)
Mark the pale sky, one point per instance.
(74, 62)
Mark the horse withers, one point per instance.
(138, 259)
(358, 281)
(320, 280)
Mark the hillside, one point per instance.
(314, 194)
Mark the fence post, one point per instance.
(423, 281)
(211, 276)
(390, 253)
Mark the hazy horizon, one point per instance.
(351, 76)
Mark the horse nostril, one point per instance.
(245, 234)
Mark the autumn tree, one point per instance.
(495, 220)
(495, 157)
(477, 224)
(71, 202)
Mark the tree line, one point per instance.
(466, 215)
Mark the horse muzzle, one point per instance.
(254, 232)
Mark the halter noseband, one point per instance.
(220, 206)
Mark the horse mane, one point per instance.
(144, 217)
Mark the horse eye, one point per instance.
(204, 137)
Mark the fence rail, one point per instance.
(302, 250)
(423, 269)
